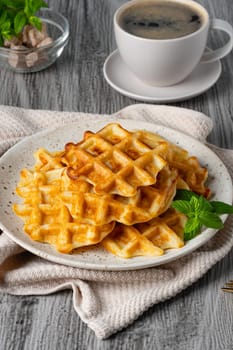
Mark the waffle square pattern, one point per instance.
(114, 161)
(113, 189)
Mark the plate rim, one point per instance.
(61, 259)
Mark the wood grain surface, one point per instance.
(199, 318)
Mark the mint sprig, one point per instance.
(200, 212)
(15, 14)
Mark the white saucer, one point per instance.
(122, 80)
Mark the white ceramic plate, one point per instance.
(21, 155)
(122, 80)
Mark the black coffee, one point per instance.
(160, 20)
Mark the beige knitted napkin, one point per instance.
(107, 301)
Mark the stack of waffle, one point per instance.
(114, 189)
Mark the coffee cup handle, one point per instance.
(211, 56)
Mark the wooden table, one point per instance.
(201, 317)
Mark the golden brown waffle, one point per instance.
(114, 161)
(149, 201)
(192, 175)
(127, 242)
(46, 160)
(163, 232)
(114, 188)
(175, 220)
(47, 219)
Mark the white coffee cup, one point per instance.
(165, 62)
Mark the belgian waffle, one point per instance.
(47, 219)
(175, 220)
(127, 242)
(114, 161)
(192, 174)
(165, 231)
(114, 188)
(149, 201)
(162, 233)
(46, 160)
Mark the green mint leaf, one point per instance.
(195, 206)
(3, 18)
(184, 195)
(14, 4)
(7, 34)
(6, 26)
(192, 224)
(205, 204)
(19, 21)
(36, 22)
(37, 4)
(32, 6)
(1, 40)
(200, 212)
(10, 14)
(192, 233)
(221, 208)
(182, 206)
(211, 220)
(27, 9)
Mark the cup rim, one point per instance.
(132, 2)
